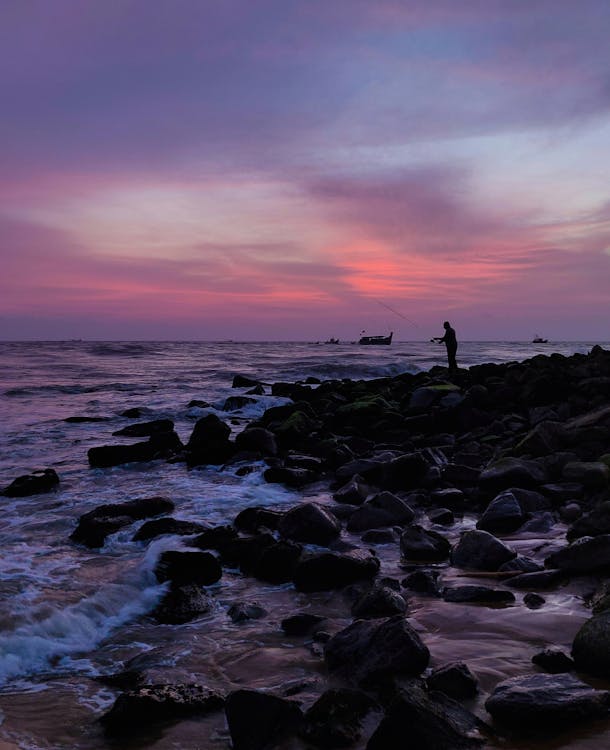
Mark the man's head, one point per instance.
(446, 324)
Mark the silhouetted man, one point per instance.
(450, 341)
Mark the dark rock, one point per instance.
(455, 680)
(533, 601)
(241, 381)
(582, 556)
(218, 538)
(159, 445)
(541, 523)
(277, 562)
(209, 442)
(553, 661)
(460, 474)
(257, 439)
(258, 390)
(94, 526)
(160, 526)
(291, 477)
(35, 483)
(441, 516)
(593, 475)
(451, 497)
(383, 509)
(332, 570)
(133, 413)
(182, 567)
(591, 646)
(479, 550)
(335, 719)
(255, 518)
(478, 594)
(503, 514)
(258, 721)
(146, 429)
(81, 420)
(369, 649)
(380, 536)
(310, 523)
(245, 552)
(422, 721)
(594, 523)
(423, 582)
(543, 579)
(137, 709)
(405, 472)
(545, 703)
(416, 543)
(520, 565)
(379, 601)
(242, 611)
(197, 403)
(301, 624)
(353, 492)
(512, 472)
(182, 604)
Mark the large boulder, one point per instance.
(159, 445)
(591, 646)
(582, 556)
(418, 720)
(369, 649)
(257, 439)
(310, 523)
(417, 543)
(93, 527)
(183, 604)
(545, 703)
(181, 567)
(35, 483)
(512, 472)
(335, 719)
(332, 570)
(594, 523)
(455, 680)
(258, 720)
(145, 429)
(150, 704)
(174, 526)
(209, 442)
(379, 601)
(503, 514)
(480, 550)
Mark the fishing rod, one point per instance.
(400, 315)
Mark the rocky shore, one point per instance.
(521, 447)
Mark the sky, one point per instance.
(304, 169)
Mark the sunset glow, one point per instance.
(291, 171)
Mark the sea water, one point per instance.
(69, 615)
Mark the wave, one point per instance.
(123, 349)
(70, 390)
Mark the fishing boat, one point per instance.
(332, 341)
(539, 340)
(376, 340)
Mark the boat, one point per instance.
(332, 341)
(376, 340)
(539, 340)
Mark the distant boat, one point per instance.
(332, 341)
(539, 340)
(376, 340)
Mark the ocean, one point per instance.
(69, 615)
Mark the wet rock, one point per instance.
(243, 611)
(139, 708)
(416, 543)
(380, 536)
(369, 649)
(160, 526)
(479, 550)
(478, 594)
(242, 381)
(503, 514)
(545, 703)
(181, 567)
(258, 720)
(291, 477)
(379, 601)
(257, 439)
(383, 509)
(541, 523)
(84, 420)
(234, 403)
(455, 680)
(35, 483)
(93, 527)
(218, 538)
(512, 472)
(553, 661)
(419, 720)
(159, 445)
(584, 555)
(594, 475)
(245, 552)
(404, 472)
(310, 523)
(520, 565)
(197, 403)
(146, 429)
(451, 497)
(591, 646)
(277, 562)
(442, 516)
(423, 582)
(332, 570)
(533, 601)
(353, 492)
(335, 719)
(134, 413)
(543, 579)
(255, 518)
(182, 604)
(302, 624)
(461, 474)
(594, 523)
(209, 442)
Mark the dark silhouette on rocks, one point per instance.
(450, 341)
